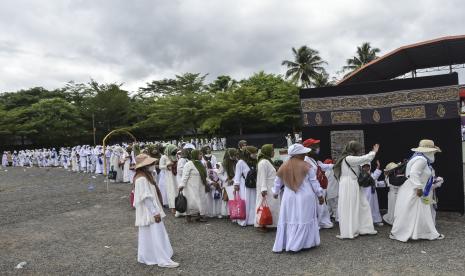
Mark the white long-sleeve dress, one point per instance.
(247, 194)
(266, 175)
(412, 218)
(154, 247)
(162, 165)
(372, 198)
(353, 208)
(298, 223)
(194, 190)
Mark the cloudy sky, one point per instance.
(50, 42)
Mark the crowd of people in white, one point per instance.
(301, 193)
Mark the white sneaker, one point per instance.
(379, 224)
(441, 237)
(169, 265)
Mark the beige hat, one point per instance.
(426, 146)
(143, 160)
(391, 166)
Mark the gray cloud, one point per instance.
(46, 43)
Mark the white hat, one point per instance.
(391, 166)
(189, 146)
(297, 149)
(426, 146)
(366, 163)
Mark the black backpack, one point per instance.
(251, 178)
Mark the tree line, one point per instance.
(186, 105)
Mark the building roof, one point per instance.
(438, 52)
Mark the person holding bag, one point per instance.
(298, 223)
(353, 209)
(266, 174)
(244, 180)
(154, 247)
(195, 187)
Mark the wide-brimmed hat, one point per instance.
(310, 142)
(143, 160)
(391, 166)
(297, 149)
(427, 146)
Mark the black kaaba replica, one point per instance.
(397, 114)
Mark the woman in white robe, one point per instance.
(412, 215)
(266, 175)
(249, 195)
(126, 158)
(195, 187)
(353, 208)
(163, 166)
(298, 223)
(171, 183)
(154, 247)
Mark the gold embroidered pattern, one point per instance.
(376, 116)
(390, 99)
(346, 117)
(441, 110)
(408, 113)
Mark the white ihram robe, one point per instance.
(127, 163)
(353, 208)
(266, 175)
(298, 223)
(154, 247)
(194, 190)
(412, 218)
(248, 195)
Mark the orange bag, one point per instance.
(264, 216)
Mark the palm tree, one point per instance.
(306, 66)
(364, 55)
(322, 80)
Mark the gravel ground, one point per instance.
(50, 219)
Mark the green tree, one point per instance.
(305, 67)
(110, 106)
(53, 122)
(365, 54)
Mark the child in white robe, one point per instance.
(154, 247)
(391, 173)
(371, 194)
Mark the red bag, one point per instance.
(321, 177)
(264, 216)
(236, 207)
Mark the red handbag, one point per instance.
(264, 216)
(237, 207)
(321, 177)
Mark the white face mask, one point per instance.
(430, 156)
(253, 156)
(208, 155)
(152, 168)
